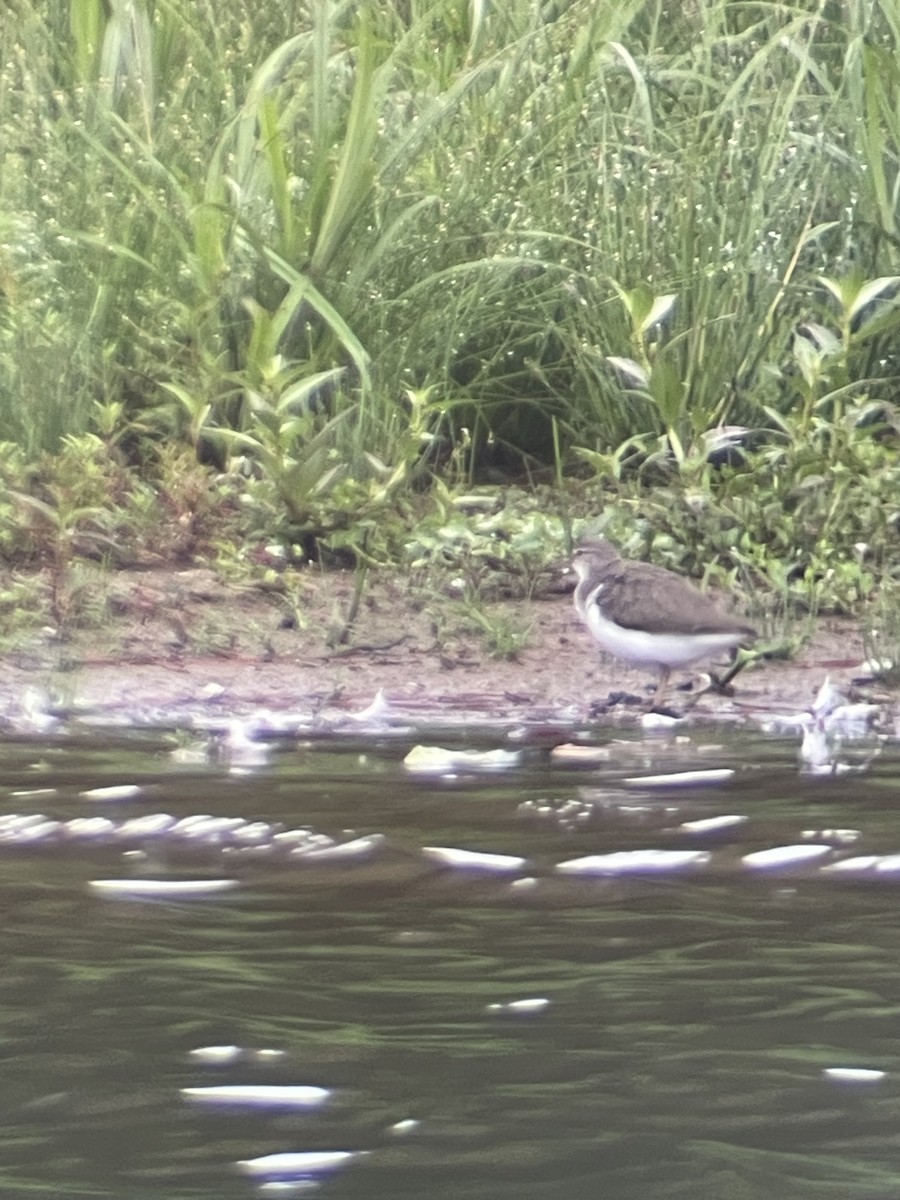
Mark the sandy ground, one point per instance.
(177, 640)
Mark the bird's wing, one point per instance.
(652, 598)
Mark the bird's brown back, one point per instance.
(643, 596)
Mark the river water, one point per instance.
(404, 1023)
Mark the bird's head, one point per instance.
(593, 554)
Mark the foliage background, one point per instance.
(282, 266)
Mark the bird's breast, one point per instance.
(656, 648)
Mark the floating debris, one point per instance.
(248, 1095)
(473, 860)
(626, 862)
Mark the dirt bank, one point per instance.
(173, 639)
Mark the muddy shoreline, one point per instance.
(183, 641)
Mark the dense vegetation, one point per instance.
(309, 270)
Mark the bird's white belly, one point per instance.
(656, 649)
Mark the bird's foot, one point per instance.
(720, 685)
(599, 708)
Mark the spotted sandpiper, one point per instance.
(646, 614)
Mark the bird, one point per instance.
(648, 615)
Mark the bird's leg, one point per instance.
(741, 659)
(662, 687)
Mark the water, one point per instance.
(683, 1051)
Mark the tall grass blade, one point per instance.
(303, 291)
(353, 177)
(126, 60)
(86, 20)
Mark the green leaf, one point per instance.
(667, 390)
(86, 19)
(871, 291)
(302, 289)
(659, 310)
(642, 92)
(355, 172)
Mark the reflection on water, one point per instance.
(474, 1034)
